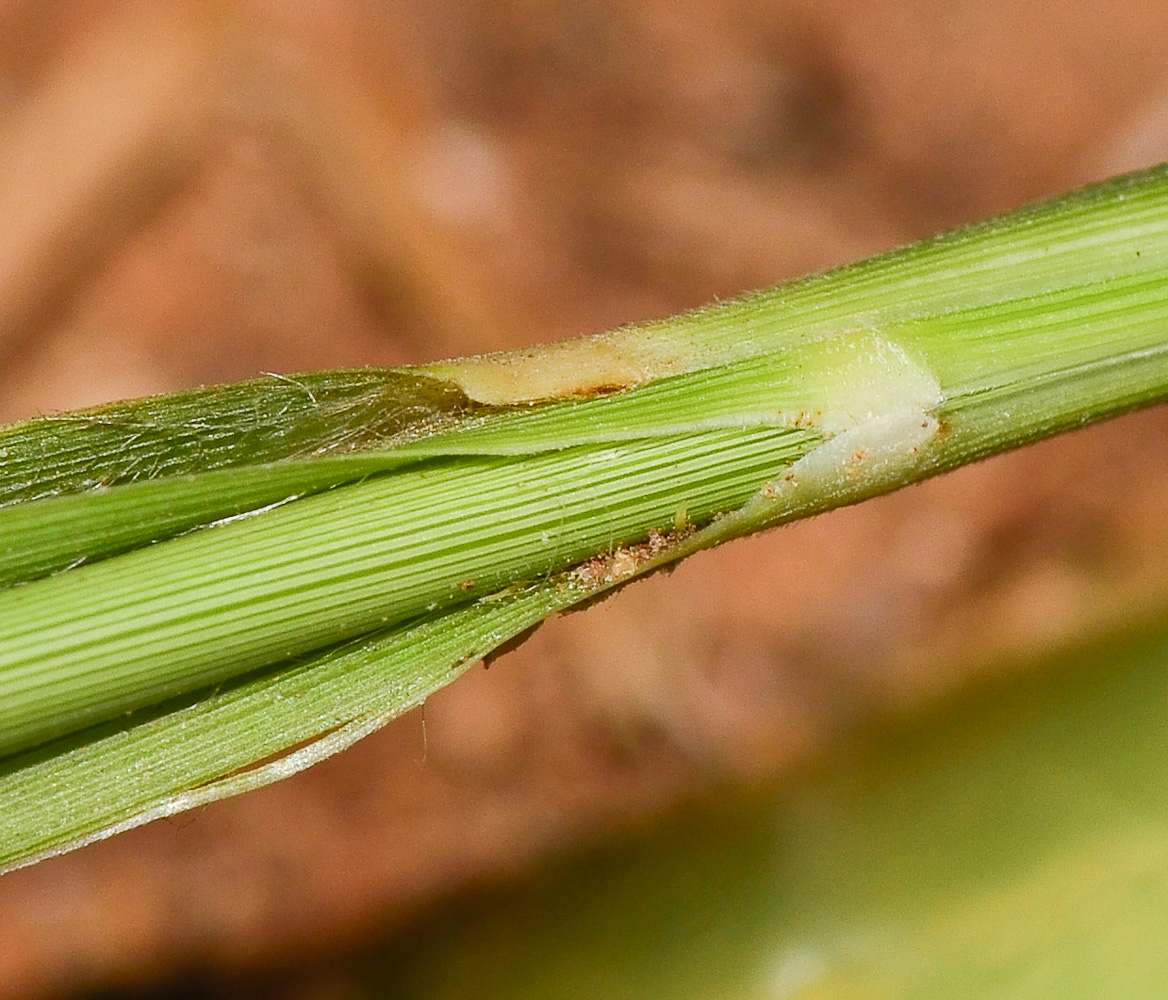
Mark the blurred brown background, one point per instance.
(199, 191)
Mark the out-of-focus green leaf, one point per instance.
(1011, 846)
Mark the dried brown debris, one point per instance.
(626, 561)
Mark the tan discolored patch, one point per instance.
(589, 366)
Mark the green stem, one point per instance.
(441, 485)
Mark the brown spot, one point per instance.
(600, 390)
(625, 561)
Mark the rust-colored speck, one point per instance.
(858, 457)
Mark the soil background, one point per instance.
(195, 192)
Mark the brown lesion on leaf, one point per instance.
(626, 561)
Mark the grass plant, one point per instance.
(208, 591)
